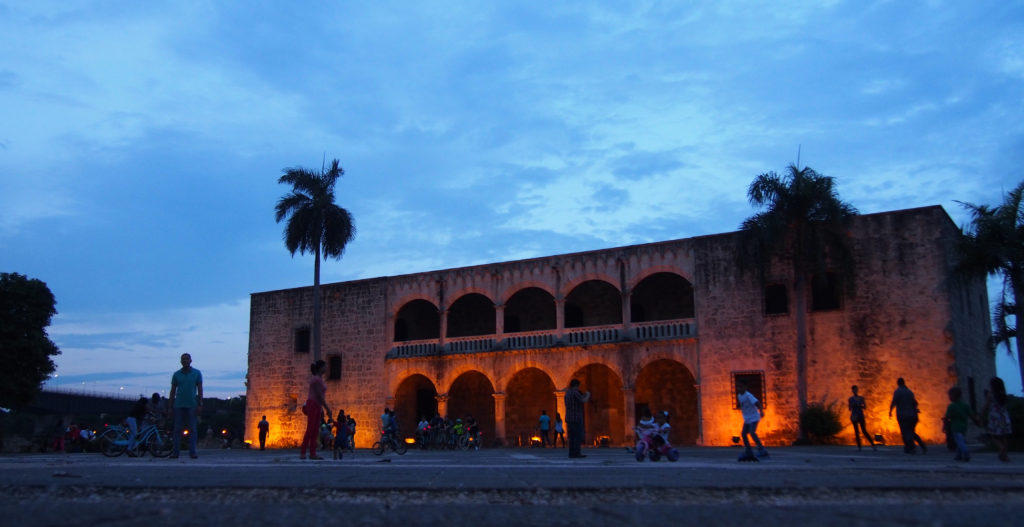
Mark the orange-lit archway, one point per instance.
(605, 411)
(668, 385)
(473, 394)
(416, 396)
(529, 392)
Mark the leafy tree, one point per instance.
(26, 307)
(315, 224)
(993, 244)
(805, 225)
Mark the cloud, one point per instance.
(106, 350)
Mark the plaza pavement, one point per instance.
(812, 485)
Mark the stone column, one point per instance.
(560, 404)
(629, 404)
(627, 315)
(560, 319)
(499, 418)
(499, 324)
(442, 404)
(444, 329)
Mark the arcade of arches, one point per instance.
(511, 415)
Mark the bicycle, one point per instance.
(389, 441)
(114, 441)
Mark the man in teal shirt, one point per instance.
(187, 401)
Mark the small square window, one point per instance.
(334, 367)
(825, 292)
(754, 381)
(776, 300)
(302, 340)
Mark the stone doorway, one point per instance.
(473, 393)
(416, 396)
(605, 415)
(529, 392)
(668, 385)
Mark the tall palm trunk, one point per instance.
(1017, 284)
(316, 305)
(800, 291)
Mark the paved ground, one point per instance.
(816, 485)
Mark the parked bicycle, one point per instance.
(389, 441)
(114, 441)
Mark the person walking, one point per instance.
(574, 399)
(186, 400)
(316, 404)
(264, 428)
(544, 424)
(559, 431)
(906, 416)
(957, 415)
(752, 413)
(857, 405)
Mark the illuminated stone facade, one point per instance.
(669, 325)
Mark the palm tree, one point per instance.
(805, 225)
(315, 224)
(993, 243)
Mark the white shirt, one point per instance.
(748, 406)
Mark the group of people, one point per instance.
(544, 427)
(993, 417)
(446, 430)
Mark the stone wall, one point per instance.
(908, 315)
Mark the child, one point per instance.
(340, 434)
(646, 428)
(664, 429)
(957, 414)
(752, 412)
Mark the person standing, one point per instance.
(752, 413)
(559, 431)
(857, 406)
(574, 400)
(264, 428)
(544, 424)
(316, 404)
(186, 400)
(906, 415)
(135, 419)
(997, 418)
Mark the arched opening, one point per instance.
(661, 296)
(471, 315)
(473, 394)
(529, 392)
(416, 396)
(417, 320)
(593, 303)
(668, 385)
(530, 309)
(604, 413)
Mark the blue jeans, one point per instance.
(961, 446)
(181, 417)
(133, 431)
(750, 429)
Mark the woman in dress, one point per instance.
(316, 404)
(998, 424)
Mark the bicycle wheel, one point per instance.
(378, 448)
(400, 446)
(159, 443)
(114, 442)
(464, 442)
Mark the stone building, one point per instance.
(669, 325)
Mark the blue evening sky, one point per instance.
(141, 142)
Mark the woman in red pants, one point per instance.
(316, 404)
